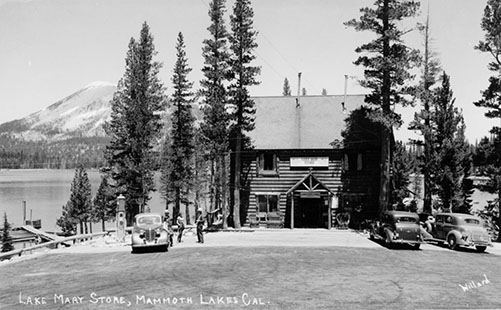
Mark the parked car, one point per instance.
(398, 227)
(148, 232)
(459, 229)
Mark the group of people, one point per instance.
(168, 222)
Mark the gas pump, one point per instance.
(121, 220)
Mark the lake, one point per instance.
(45, 192)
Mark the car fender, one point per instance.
(458, 235)
(388, 233)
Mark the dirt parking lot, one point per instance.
(283, 269)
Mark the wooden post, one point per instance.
(329, 212)
(292, 210)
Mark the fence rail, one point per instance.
(55, 243)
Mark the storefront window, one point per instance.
(267, 203)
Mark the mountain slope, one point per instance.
(82, 114)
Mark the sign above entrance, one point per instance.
(309, 161)
(309, 194)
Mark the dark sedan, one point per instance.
(397, 227)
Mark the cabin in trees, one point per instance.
(300, 173)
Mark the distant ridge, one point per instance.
(81, 114)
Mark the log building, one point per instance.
(299, 173)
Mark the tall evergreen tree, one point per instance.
(135, 124)
(6, 238)
(242, 44)
(491, 97)
(451, 149)
(287, 88)
(104, 204)
(387, 61)
(178, 171)
(79, 205)
(429, 76)
(402, 166)
(215, 125)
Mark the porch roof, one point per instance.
(312, 178)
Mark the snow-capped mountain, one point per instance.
(82, 114)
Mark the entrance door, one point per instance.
(310, 213)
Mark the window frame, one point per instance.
(261, 164)
(268, 205)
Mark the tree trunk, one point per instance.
(499, 208)
(236, 191)
(224, 182)
(186, 210)
(384, 189)
(102, 225)
(81, 228)
(177, 204)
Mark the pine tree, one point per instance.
(215, 125)
(79, 205)
(387, 63)
(430, 71)
(491, 97)
(104, 204)
(303, 92)
(324, 92)
(242, 44)
(66, 221)
(135, 124)
(451, 149)
(287, 88)
(178, 170)
(6, 238)
(402, 166)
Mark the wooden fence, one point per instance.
(54, 244)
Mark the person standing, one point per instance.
(180, 227)
(168, 227)
(200, 226)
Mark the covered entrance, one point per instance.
(309, 204)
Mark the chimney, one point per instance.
(298, 89)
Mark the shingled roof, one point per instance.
(314, 124)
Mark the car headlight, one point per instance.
(396, 235)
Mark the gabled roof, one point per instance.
(314, 124)
(314, 183)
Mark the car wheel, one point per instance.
(387, 241)
(451, 241)
(481, 249)
(416, 246)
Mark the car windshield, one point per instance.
(472, 222)
(149, 220)
(406, 219)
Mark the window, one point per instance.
(353, 161)
(267, 163)
(267, 203)
(472, 222)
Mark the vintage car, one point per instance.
(148, 232)
(459, 229)
(397, 227)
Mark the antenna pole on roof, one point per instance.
(298, 88)
(345, 90)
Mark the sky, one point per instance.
(52, 48)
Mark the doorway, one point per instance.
(310, 213)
